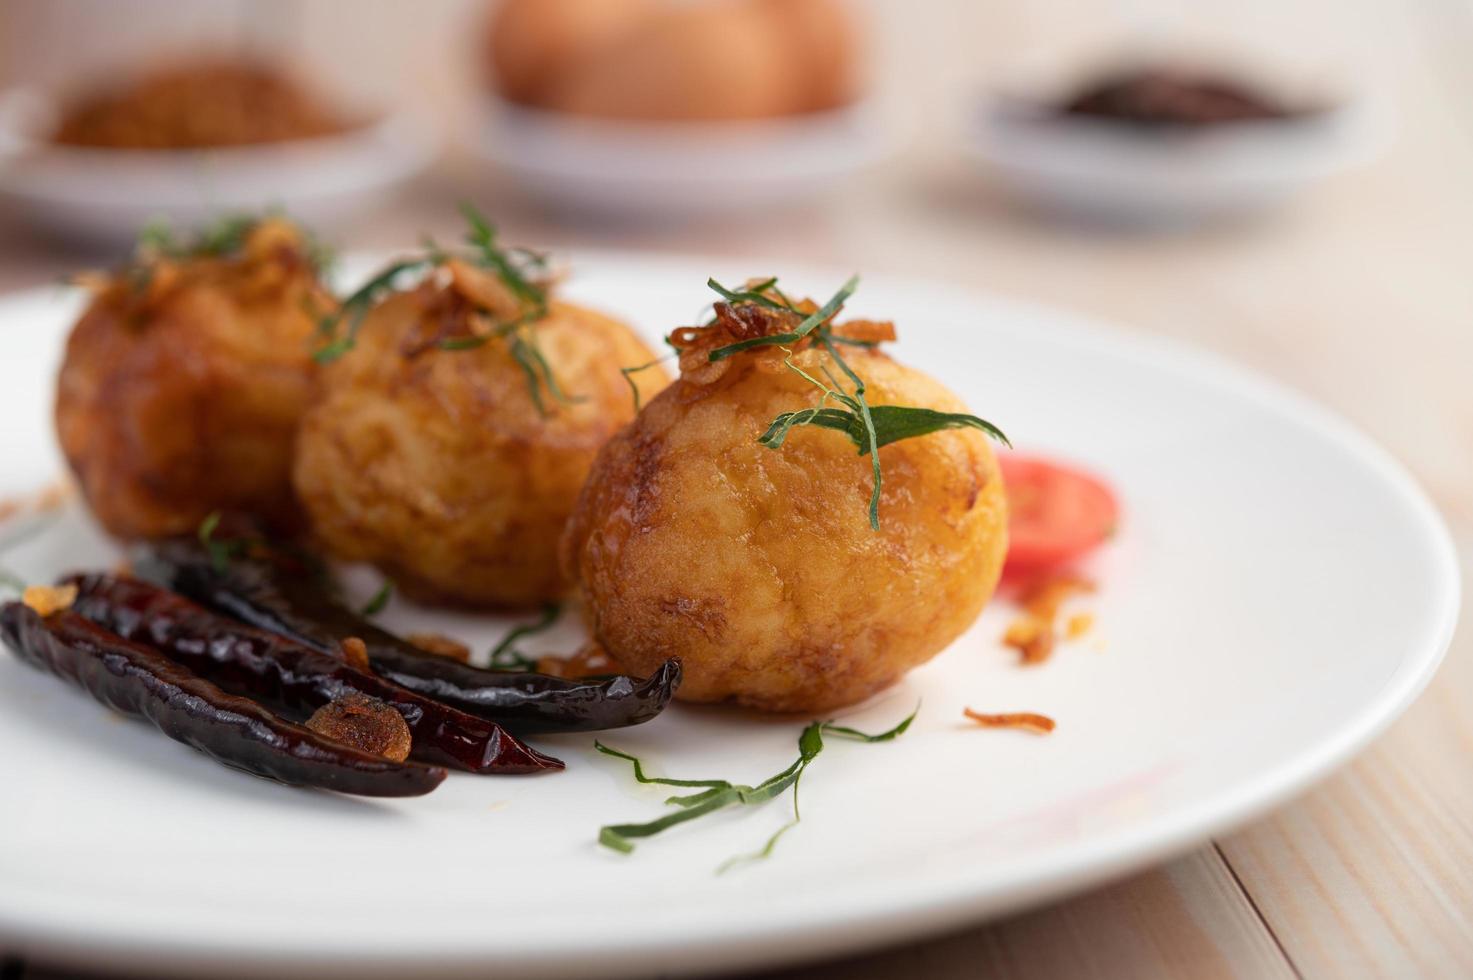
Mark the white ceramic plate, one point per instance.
(1280, 590)
(670, 169)
(104, 196)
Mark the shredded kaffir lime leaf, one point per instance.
(868, 426)
(811, 321)
(356, 307)
(506, 656)
(510, 265)
(380, 599)
(221, 552)
(629, 372)
(482, 237)
(718, 794)
(892, 423)
(224, 237)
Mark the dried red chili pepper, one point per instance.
(273, 591)
(234, 731)
(290, 676)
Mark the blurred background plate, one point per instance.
(1164, 172)
(1094, 170)
(624, 168)
(104, 196)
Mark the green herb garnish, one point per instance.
(627, 373)
(506, 656)
(380, 599)
(221, 552)
(717, 794)
(225, 236)
(510, 265)
(356, 307)
(869, 427)
(892, 423)
(482, 237)
(157, 238)
(866, 418)
(755, 293)
(529, 357)
(810, 322)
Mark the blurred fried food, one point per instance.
(658, 60)
(197, 105)
(184, 381)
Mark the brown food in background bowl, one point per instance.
(654, 60)
(1174, 97)
(198, 105)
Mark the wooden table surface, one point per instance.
(1359, 294)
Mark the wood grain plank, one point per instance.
(1187, 918)
(1372, 873)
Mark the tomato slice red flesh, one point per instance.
(1056, 513)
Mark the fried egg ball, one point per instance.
(437, 465)
(664, 61)
(758, 567)
(533, 41)
(184, 380)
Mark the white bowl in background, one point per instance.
(103, 196)
(1119, 172)
(624, 168)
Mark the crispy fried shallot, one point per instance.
(441, 646)
(48, 599)
(365, 723)
(1033, 634)
(1027, 720)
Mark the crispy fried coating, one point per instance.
(437, 465)
(183, 383)
(758, 567)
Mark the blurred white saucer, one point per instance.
(665, 169)
(103, 196)
(1122, 173)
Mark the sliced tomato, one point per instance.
(1055, 513)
